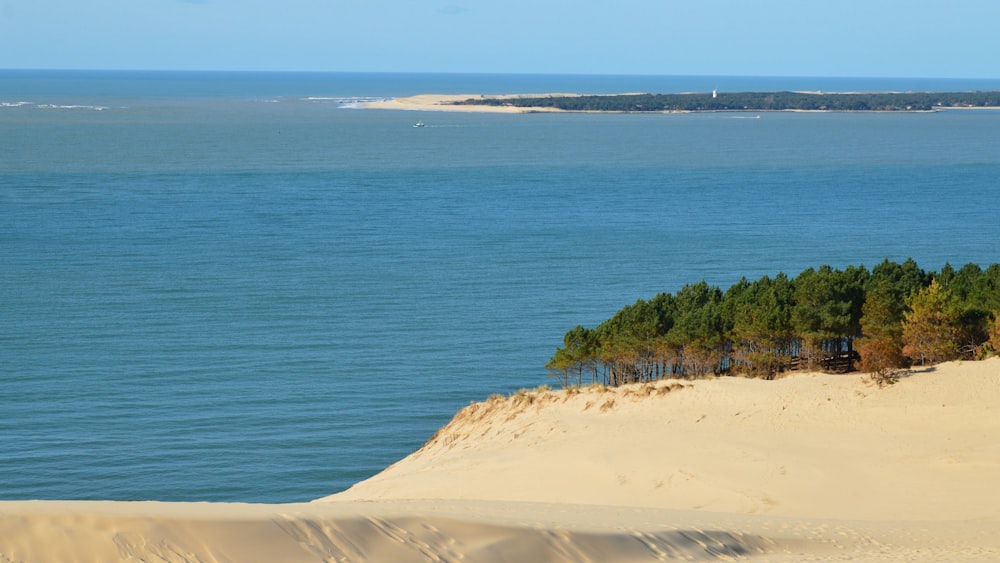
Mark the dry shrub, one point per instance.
(524, 398)
(477, 412)
(598, 388)
(638, 391)
(882, 358)
(650, 389)
(471, 413)
(610, 403)
(672, 387)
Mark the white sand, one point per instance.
(445, 102)
(810, 467)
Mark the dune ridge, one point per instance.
(808, 467)
(808, 445)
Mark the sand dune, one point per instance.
(828, 446)
(354, 531)
(809, 467)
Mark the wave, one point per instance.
(71, 106)
(52, 106)
(347, 101)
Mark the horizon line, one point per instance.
(477, 73)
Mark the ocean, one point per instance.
(242, 287)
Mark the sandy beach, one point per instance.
(445, 102)
(810, 467)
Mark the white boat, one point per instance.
(419, 124)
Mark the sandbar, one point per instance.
(447, 102)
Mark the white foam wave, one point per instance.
(15, 104)
(71, 106)
(347, 101)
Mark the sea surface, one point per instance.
(242, 287)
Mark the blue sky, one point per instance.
(723, 37)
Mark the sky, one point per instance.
(852, 38)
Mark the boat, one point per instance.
(419, 124)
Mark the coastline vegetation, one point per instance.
(752, 101)
(880, 321)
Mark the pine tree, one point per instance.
(930, 326)
(881, 346)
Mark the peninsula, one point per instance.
(698, 102)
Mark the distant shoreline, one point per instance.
(821, 102)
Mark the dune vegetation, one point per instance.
(748, 101)
(881, 320)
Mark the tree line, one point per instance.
(753, 101)
(880, 320)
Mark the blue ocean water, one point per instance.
(237, 287)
